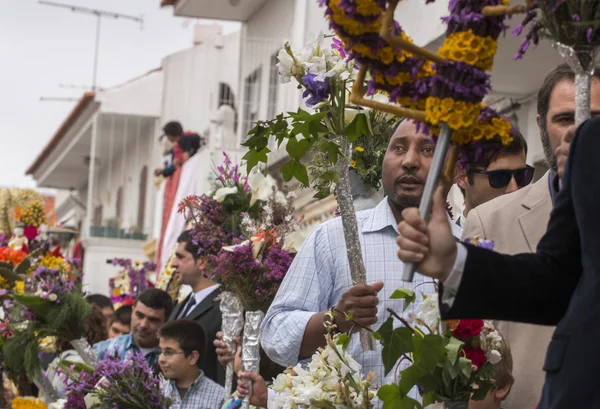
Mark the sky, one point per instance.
(42, 47)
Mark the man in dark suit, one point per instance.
(558, 285)
(202, 305)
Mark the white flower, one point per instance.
(59, 404)
(285, 66)
(223, 192)
(261, 186)
(52, 297)
(494, 357)
(293, 241)
(91, 400)
(429, 313)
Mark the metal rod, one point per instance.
(91, 175)
(437, 166)
(96, 51)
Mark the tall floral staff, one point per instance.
(325, 74)
(131, 281)
(239, 227)
(572, 27)
(444, 89)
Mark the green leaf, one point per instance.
(428, 351)
(358, 127)
(297, 148)
(343, 340)
(429, 398)
(331, 176)
(409, 377)
(392, 399)
(332, 150)
(260, 137)
(40, 307)
(78, 367)
(253, 157)
(396, 342)
(408, 295)
(465, 366)
(453, 347)
(294, 169)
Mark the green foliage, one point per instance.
(396, 342)
(406, 294)
(21, 353)
(313, 142)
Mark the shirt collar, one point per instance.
(129, 342)
(201, 295)
(194, 384)
(380, 218)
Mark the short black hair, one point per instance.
(187, 238)
(123, 315)
(189, 334)
(491, 150)
(157, 300)
(173, 128)
(99, 300)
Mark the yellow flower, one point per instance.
(476, 133)
(455, 121)
(353, 164)
(470, 57)
(368, 7)
(447, 104)
(19, 287)
(386, 55)
(28, 403)
(359, 149)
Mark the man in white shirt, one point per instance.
(202, 305)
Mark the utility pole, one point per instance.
(99, 14)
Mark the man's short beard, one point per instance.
(401, 202)
(548, 153)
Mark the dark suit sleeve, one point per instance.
(536, 288)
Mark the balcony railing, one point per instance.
(116, 233)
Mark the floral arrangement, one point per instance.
(324, 73)
(449, 90)
(254, 269)
(333, 379)
(131, 281)
(28, 402)
(216, 217)
(572, 23)
(113, 384)
(450, 361)
(24, 206)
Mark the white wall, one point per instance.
(191, 82)
(421, 21)
(141, 96)
(97, 250)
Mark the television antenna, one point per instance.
(99, 14)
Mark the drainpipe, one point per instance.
(91, 176)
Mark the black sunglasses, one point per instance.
(500, 178)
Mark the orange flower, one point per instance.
(452, 324)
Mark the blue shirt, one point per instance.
(320, 274)
(123, 346)
(204, 393)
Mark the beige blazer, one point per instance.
(516, 222)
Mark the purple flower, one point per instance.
(518, 30)
(337, 44)
(589, 34)
(317, 90)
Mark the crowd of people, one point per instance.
(184, 341)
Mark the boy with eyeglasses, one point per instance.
(487, 174)
(181, 348)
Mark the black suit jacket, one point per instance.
(208, 315)
(558, 285)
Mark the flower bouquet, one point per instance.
(113, 384)
(333, 379)
(254, 269)
(131, 281)
(451, 361)
(246, 210)
(572, 27)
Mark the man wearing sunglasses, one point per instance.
(516, 222)
(487, 177)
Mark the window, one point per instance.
(273, 87)
(226, 97)
(97, 216)
(119, 204)
(252, 100)
(141, 216)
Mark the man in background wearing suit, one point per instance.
(517, 222)
(202, 305)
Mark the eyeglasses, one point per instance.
(499, 179)
(169, 353)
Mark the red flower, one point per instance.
(30, 232)
(476, 355)
(468, 329)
